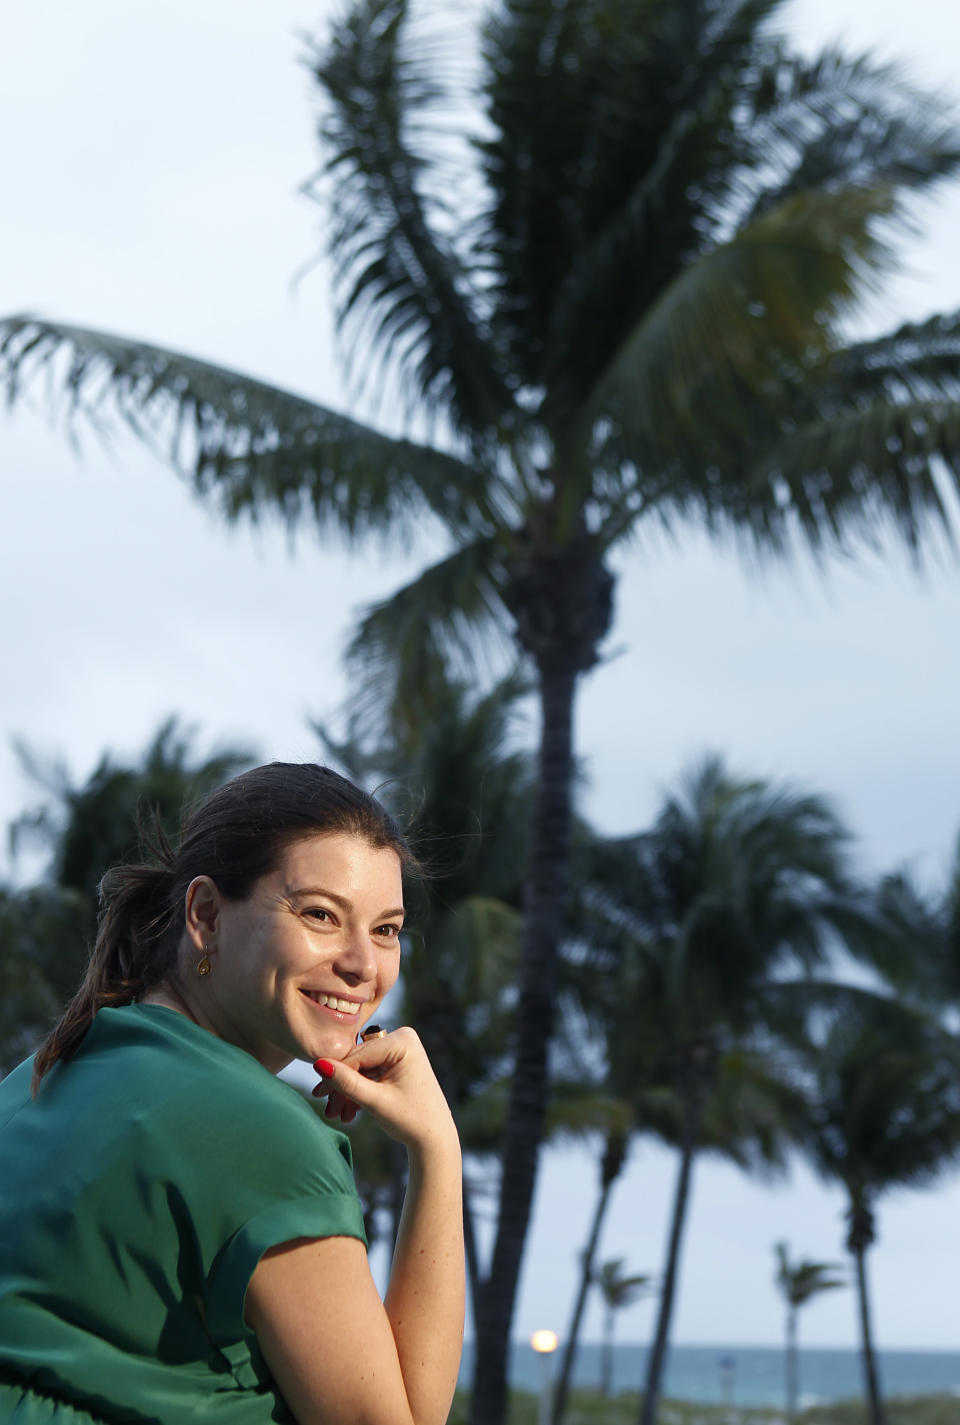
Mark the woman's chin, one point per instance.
(331, 1044)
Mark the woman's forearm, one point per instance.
(425, 1298)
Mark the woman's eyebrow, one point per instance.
(341, 901)
(321, 891)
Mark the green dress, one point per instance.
(138, 1191)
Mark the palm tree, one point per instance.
(619, 294)
(800, 1282)
(698, 925)
(618, 1290)
(884, 1112)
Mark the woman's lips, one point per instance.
(342, 1008)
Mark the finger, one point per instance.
(337, 1107)
(354, 1083)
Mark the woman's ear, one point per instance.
(202, 913)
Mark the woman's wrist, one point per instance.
(436, 1146)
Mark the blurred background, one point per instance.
(158, 182)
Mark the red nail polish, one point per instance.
(324, 1067)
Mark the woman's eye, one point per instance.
(318, 913)
(388, 932)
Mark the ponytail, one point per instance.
(134, 950)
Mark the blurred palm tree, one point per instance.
(884, 1083)
(618, 1291)
(800, 1282)
(46, 931)
(920, 957)
(696, 928)
(619, 286)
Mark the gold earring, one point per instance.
(203, 964)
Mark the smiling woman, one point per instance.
(178, 1229)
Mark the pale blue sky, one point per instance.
(149, 175)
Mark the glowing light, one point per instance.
(544, 1341)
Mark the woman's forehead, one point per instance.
(334, 860)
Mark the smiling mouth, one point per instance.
(341, 1006)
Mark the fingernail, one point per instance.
(324, 1067)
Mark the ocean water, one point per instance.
(747, 1375)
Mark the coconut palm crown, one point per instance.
(615, 267)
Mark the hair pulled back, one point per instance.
(236, 835)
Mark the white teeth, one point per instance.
(344, 1006)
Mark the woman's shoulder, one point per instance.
(150, 1081)
(182, 1065)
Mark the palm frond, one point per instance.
(862, 444)
(711, 350)
(802, 1280)
(396, 265)
(404, 649)
(919, 361)
(876, 468)
(252, 446)
(837, 120)
(885, 1097)
(617, 1288)
(914, 944)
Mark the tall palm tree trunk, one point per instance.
(613, 1159)
(791, 1364)
(543, 926)
(870, 1376)
(658, 1354)
(606, 1357)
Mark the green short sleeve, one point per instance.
(333, 1216)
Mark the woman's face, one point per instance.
(302, 964)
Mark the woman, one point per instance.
(180, 1235)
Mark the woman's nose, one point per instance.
(356, 958)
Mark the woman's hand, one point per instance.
(391, 1077)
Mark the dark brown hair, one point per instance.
(236, 835)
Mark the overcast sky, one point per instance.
(149, 176)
